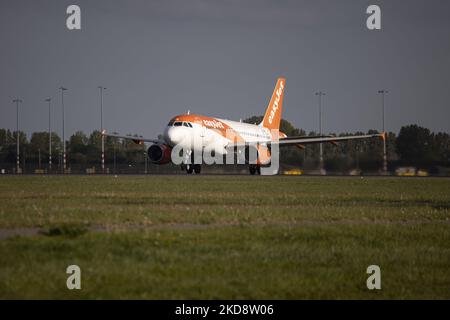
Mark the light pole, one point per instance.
(101, 127)
(63, 128)
(145, 160)
(320, 94)
(383, 93)
(17, 101)
(49, 135)
(114, 157)
(115, 145)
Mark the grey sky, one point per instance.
(222, 58)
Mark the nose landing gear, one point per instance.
(189, 168)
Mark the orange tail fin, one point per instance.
(272, 117)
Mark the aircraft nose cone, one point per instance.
(174, 136)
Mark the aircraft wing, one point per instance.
(138, 140)
(301, 141)
(331, 139)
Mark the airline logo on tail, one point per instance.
(276, 102)
(272, 117)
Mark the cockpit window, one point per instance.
(173, 123)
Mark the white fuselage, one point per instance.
(213, 134)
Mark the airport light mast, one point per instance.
(320, 94)
(17, 101)
(49, 135)
(383, 93)
(63, 128)
(101, 127)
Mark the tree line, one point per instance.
(83, 151)
(412, 146)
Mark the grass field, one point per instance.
(227, 237)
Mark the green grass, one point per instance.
(226, 237)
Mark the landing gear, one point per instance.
(254, 169)
(190, 168)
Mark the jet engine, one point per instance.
(159, 153)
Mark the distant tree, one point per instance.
(391, 149)
(134, 151)
(38, 146)
(78, 142)
(415, 145)
(95, 139)
(93, 148)
(22, 138)
(254, 119)
(441, 148)
(10, 149)
(5, 137)
(39, 140)
(78, 148)
(56, 146)
(114, 149)
(285, 126)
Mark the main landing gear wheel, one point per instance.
(197, 168)
(254, 169)
(189, 168)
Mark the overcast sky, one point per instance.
(221, 58)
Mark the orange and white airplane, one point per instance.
(194, 134)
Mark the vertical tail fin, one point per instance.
(272, 117)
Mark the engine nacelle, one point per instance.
(159, 153)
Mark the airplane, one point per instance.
(193, 134)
